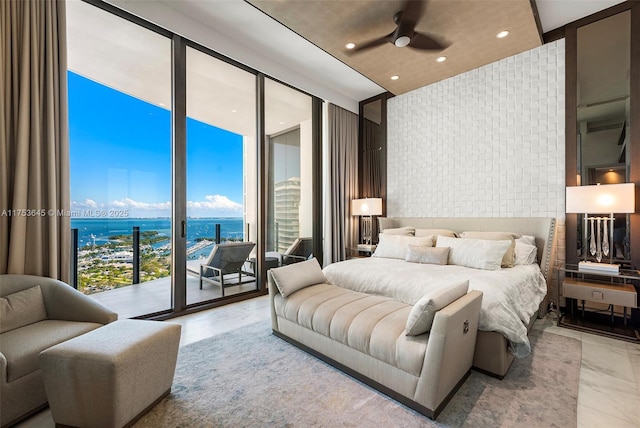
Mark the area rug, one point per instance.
(250, 378)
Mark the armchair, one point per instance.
(300, 250)
(34, 320)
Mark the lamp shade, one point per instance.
(601, 199)
(367, 206)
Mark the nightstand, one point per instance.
(599, 302)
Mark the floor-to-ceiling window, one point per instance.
(119, 80)
(288, 128)
(167, 162)
(221, 177)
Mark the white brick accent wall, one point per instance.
(486, 143)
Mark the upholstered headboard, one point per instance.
(544, 230)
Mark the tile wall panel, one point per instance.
(486, 143)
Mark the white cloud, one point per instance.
(212, 205)
(88, 203)
(130, 203)
(215, 202)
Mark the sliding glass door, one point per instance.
(119, 80)
(221, 178)
(288, 127)
(167, 164)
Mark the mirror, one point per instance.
(603, 119)
(371, 150)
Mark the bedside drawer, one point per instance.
(621, 295)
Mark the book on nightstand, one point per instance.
(366, 247)
(599, 267)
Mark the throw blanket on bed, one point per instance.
(511, 296)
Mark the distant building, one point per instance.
(287, 212)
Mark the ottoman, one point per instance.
(110, 376)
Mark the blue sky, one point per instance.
(120, 155)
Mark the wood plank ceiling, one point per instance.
(468, 27)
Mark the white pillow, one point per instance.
(297, 276)
(430, 255)
(406, 231)
(509, 257)
(475, 253)
(525, 254)
(424, 311)
(435, 232)
(527, 239)
(395, 246)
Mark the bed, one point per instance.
(513, 297)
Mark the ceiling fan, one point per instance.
(405, 33)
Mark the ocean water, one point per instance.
(103, 229)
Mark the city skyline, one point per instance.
(120, 158)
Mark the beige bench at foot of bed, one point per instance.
(364, 336)
(111, 376)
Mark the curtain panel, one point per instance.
(343, 181)
(34, 148)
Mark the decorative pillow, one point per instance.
(297, 276)
(475, 253)
(527, 239)
(424, 311)
(22, 308)
(395, 246)
(430, 255)
(435, 232)
(526, 254)
(510, 256)
(406, 231)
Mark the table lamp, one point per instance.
(600, 199)
(366, 208)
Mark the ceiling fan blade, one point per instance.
(411, 14)
(370, 44)
(424, 42)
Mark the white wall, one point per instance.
(306, 179)
(486, 143)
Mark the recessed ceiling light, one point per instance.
(281, 123)
(350, 45)
(502, 34)
(234, 111)
(395, 77)
(441, 59)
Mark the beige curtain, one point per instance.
(34, 150)
(343, 181)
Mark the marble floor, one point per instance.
(609, 392)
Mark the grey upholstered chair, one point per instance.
(34, 320)
(300, 250)
(226, 258)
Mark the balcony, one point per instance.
(131, 272)
(155, 295)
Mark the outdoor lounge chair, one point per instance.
(300, 250)
(226, 258)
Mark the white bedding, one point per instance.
(510, 296)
